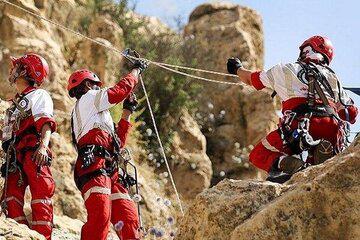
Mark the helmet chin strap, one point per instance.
(92, 86)
(95, 87)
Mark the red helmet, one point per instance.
(32, 66)
(79, 76)
(321, 45)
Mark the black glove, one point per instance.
(233, 65)
(139, 63)
(131, 103)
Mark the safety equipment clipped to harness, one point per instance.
(87, 156)
(298, 140)
(127, 180)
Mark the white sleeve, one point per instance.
(272, 76)
(344, 98)
(42, 105)
(101, 99)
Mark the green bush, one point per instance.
(169, 93)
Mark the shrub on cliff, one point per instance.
(169, 93)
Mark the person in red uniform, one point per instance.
(26, 135)
(97, 142)
(316, 110)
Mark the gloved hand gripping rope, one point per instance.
(137, 61)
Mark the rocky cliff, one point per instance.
(20, 33)
(321, 202)
(208, 148)
(233, 117)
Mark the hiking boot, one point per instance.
(278, 176)
(290, 164)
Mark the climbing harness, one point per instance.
(298, 140)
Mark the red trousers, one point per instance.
(42, 187)
(107, 201)
(272, 147)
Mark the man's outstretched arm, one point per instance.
(234, 66)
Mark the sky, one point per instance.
(286, 25)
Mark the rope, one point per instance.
(161, 145)
(159, 64)
(197, 70)
(196, 77)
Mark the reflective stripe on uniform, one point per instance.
(268, 146)
(96, 189)
(43, 201)
(12, 198)
(119, 195)
(21, 218)
(47, 223)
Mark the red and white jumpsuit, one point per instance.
(39, 107)
(293, 92)
(106, 199)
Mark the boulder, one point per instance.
(230, 115)
(10, 230)
(321, 202)
(192, 171)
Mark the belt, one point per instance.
(98, 151)
(87, 154)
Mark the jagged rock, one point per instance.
(10, 230)
(104, 63)
(193, 171)
(321, 202)
(219, 31)
(102, 27)
(21, 33)
(153, 25)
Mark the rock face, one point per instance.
(64, 52)
(233, 115)
(10, 230)
(215, 26)
(321, 202)
(193, 171)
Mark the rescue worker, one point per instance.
(316, 110)
(26, 135)
(98, 142)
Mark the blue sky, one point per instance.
(286, 25)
